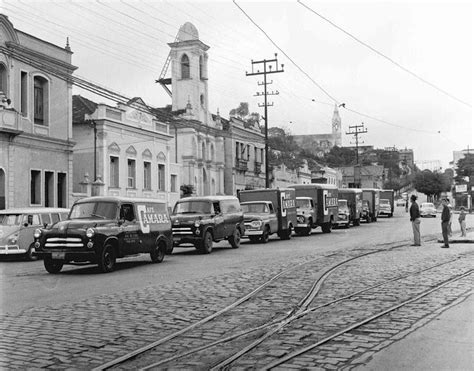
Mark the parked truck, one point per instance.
(325, 199)
(372, 196)
(388, 194)
(283, 206)
(305, 215)
(354, 202)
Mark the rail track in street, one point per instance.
(268, 320)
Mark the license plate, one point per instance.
(58, 255)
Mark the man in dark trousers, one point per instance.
(415, 220)
(445, 217)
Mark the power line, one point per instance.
(286, 55)
(384, 56)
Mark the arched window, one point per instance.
(194, 147)
(212, 153)
(41, 100)
(203, 152)
(185, 68)
(3, 79)
(202, 99)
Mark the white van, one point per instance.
(17, 227)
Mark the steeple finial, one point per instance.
(68, 48)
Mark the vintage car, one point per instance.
(200, 221)
(343, 217)
(17, 227)
(427, 209)
(260, 220)
(101, 229)
(385, 207)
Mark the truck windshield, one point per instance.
(192, 207)
(303, 203)
(384, 201)
(255, 208)
(101, 210)
(10, 219)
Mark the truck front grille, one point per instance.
(182, 230)
(65, 242)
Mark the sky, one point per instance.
(421, 99)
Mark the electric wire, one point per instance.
(384, 56)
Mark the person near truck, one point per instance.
(415, 221)
(445, 218)
(462, 221)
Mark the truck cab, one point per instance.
(260, 220)
(372, 195)
(305, 215)
(344, 219)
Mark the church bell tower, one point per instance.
(336, 127)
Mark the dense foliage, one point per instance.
(431, 183)
(465, 168)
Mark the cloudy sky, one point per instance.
(421, 99)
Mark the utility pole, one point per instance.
(358, 129)
(268, 65)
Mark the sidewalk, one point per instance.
(444, 343)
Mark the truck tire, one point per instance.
(265, 235)
(285, 235)
(107, 258)
(327, 227)
(234, 240)
(205, 246)
(52, 266)
(158, 253)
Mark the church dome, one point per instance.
(188, 32)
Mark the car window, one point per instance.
(230, 206)
(217, 208)
(46, 218)
(192, 207)
(31, 219)
(10, 219)
(255, 208)
(127, 213)
(303, 202)
(63, 216)
(102, 210)
(54, 217)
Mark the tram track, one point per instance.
(269, 328)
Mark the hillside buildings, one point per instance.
(36, 138)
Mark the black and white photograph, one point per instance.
(236, 185)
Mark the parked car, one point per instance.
(284, 205)
(427, 209)
(101, 229)
(203, 220)
(385, 207)
(400, 202)
(17, 227)
(343, 218)
(260, 220)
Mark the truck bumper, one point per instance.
(67, 255)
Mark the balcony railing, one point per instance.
(258, 167)
(10, 122)
(241, 165)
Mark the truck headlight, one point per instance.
(256, 223)
(37, 233)
(90, 232)
(197, 223)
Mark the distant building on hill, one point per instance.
(319, 144)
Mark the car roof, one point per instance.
(350, 190)
(256, 202)
(313, 185)
(119, 199)
(31, 210)
(208, 198)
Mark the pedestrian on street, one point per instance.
(406, 205)
(462, 221)
(445, 217)
(415, 220)
(450, 229)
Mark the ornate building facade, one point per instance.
(35, 121)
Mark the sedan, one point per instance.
(427, 209)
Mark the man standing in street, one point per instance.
(445, 218)
(415, 220)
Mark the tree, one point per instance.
(465, 167)
(241, 111)
(186, 190)
(283, 149)
(340, 157)
(431, 184)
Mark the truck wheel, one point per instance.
(327, 227)
(29, 254)
(158, 253)
(52, 266)
(234, 240)
(107, 259)
(205, 246)
(265, 235)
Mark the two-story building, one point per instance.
(35, 120)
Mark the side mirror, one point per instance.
(45, 225)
